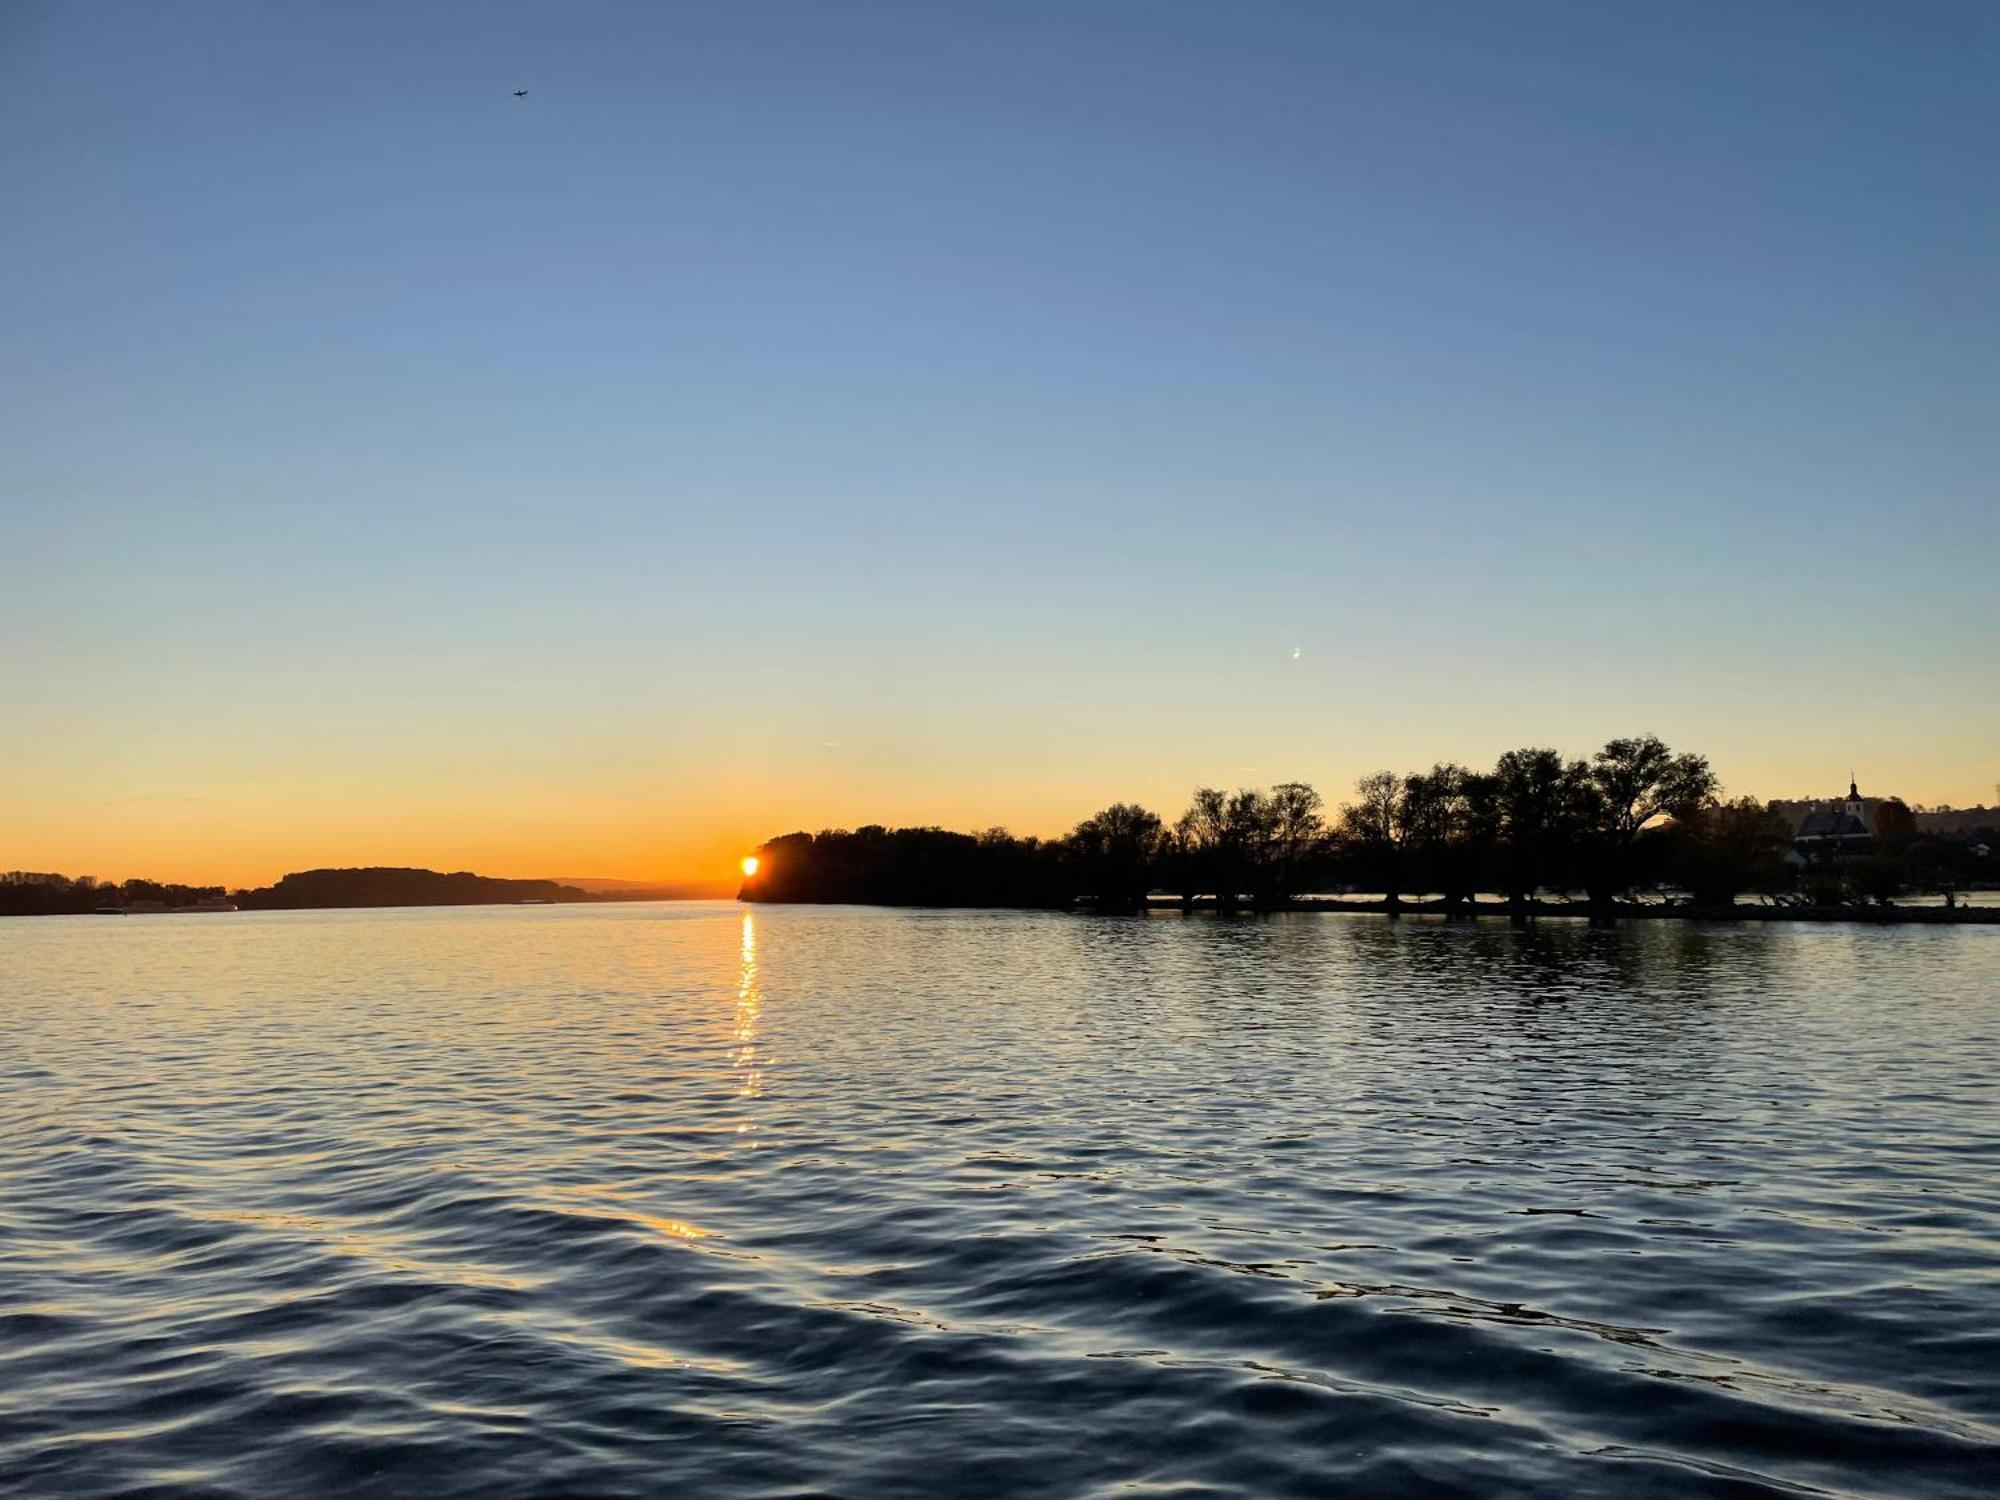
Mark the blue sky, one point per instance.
(808, 414)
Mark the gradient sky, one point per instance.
(803, 415)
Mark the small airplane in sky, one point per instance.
(520, 93)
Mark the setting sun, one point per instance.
(749, 865)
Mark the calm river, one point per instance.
(711, 1202)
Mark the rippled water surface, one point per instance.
(693, 1200)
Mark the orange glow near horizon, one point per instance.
(690, 818)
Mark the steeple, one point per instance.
(1853, 790)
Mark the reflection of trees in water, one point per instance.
(1560, 1033)
(1528, 1019)
(1566, 960)
(1556, 1010)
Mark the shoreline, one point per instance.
(1873, 916)
(1575, 911)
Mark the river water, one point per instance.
(705, 1201)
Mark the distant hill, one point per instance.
(383, 886)
(1949, 820)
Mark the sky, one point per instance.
(804, 415)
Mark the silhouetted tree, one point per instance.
(1251, 826)
(1541, 802)
(1726, 848)
(1436, 819)
(911, 867)
(1112, 854)
(1895, 825)
(1474, 854)
(1822, 885)
(1297, 831)
(1631, 784)
(1372, 827)
(1247, 843)
(1173, 866)
(1878, 879)
(1203, 845)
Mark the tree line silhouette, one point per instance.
(1635, 814)
(32, 893)
(37, 893)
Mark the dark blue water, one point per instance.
(659, 1200)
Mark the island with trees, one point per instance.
(30, 893)
(392, 886)
(1537, 834)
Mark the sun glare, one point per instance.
(749, 865)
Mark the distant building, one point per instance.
(1832, 831)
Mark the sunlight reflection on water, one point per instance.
(749, 1010)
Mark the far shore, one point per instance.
(1576, 911)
